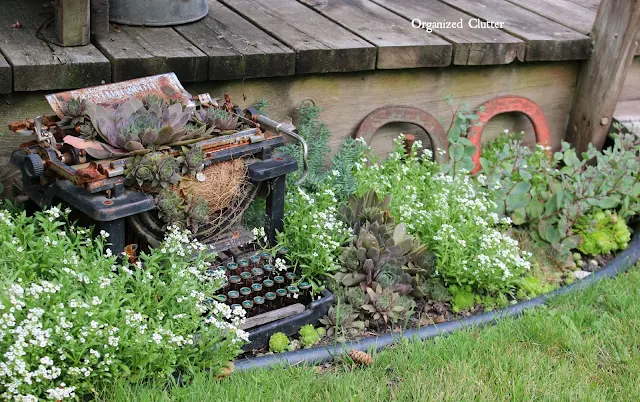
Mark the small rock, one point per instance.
(581, 274)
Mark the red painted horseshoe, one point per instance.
(505, 104)
(405, 114)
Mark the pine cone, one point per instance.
(362, 358)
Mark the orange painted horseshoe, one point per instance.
(505, 104)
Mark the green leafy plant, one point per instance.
(342, 321)
(166, 171)
(550, 196)
(351, 154)
(170, 208)
(278, 342)
(192, 160)
(73, 319)
(313, 234)
(452, 217)
(141, 170)
(310, 336)
(197, 212)
(316, 135)
(463, 298)
(386, 305)
(383, 255)
(461, 149)
(602, 232)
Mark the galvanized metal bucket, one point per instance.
(157, 12)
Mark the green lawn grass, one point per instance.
(581, 347)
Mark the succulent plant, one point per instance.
(216, 119)
(369, 208)
(226, 121)
(386, 304)
(138, 129)
(73, 111)
(342, 320)
(153, 99)
(355, 296)
(192, 162)
(394, 278)
(386, 255)
(432, 289)
(602, 232)
(170, 208)
(141, 169)
(197, 210)
(279, 342)
(85, 130)
(166, 172)
(309, 336)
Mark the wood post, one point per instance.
(72, 22)
(99, 17)
(614, 36)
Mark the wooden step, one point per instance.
(628, 113)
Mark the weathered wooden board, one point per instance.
(40, 64)
(590, 4)
(237, 49)
(602, 76)
(566, 12)
(346, 99)
(546, 39)
(272, 316)
(141, 51)
(470, 46)
(321, 45)
(399, 44)
(6, 76)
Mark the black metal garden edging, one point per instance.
(622, 263)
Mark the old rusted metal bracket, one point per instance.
(507, 104)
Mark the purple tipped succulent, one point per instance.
(139, 129)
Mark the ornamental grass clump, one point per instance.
(445, 211)
(73, 319)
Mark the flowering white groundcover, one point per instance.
(73, 319)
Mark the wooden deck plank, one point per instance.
(141, 51)
(565, 12)
(237, 49)
(399, 45)
(470, 46)
(590, 4)
(321, 45)
(546, 39)
(42, 65)
(6, 76)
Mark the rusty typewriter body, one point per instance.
(55, 172)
